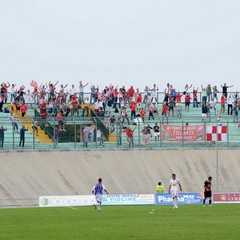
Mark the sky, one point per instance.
(127, 42)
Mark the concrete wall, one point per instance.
(24, 176)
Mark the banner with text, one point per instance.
(128, 199)
(66, 201)
(183, 133)
(183, 198)
(226, 197)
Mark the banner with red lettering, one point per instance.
(226, 197)
(183, 133)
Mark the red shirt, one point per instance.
(139, 98)
(178, 98)
(164, 109)
(187, 99)
(24, 108)
(133, 106)
(142, 113)
(129, 133)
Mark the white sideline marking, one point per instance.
(73, 208)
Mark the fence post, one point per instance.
(75, 133)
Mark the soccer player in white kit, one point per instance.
(97, 190)
(173, 189)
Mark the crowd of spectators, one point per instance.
(127, 103)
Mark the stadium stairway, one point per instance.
(42, 137)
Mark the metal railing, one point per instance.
(175, 134)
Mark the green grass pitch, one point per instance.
(221, 221)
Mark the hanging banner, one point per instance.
(183, 133)
(217, 133)
(183, 198)
(226, 197)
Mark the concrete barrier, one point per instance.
(24, 176)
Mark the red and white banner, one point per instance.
(183, 133)
(226, 197)
(217, 133)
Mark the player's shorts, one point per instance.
(156, 134)
(98, 197)
(174, 193)
(207, 194)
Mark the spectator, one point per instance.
(2, 130)
(154, 93)
(179, 110)
(204, 112)
(224, 89)
(60, 121)
(13, 93)
(14, 123)
(187, 101)
(186, 88)
(129, 134)
(72, 92)
(112, 124)
(133, 109)
(235, 113)
(171, 105)
(230, 102)
(23, 109)
(74, 103)
(223, 100)
(145, 135)
(156, 130)
(119, 136)
(209, 92)
(164, 112)
(29, 98)
(22, 136)
(142, 114)
(34, 127)
(81, 91)
(212, 105)
(195, 97)
(124, 114)
(1, 103)
(215, 93)
(86, 107)
(204, 95)
(139, 102)
(151, 109)
(100, 137)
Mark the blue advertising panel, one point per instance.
(128, 199)
(183, 198)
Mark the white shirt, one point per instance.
(174, 183)
(72, 91)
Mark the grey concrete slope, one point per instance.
(24, 176)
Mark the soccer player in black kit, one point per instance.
(208, 191)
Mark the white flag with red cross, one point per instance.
(216, 133)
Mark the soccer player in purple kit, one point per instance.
(97, 190)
